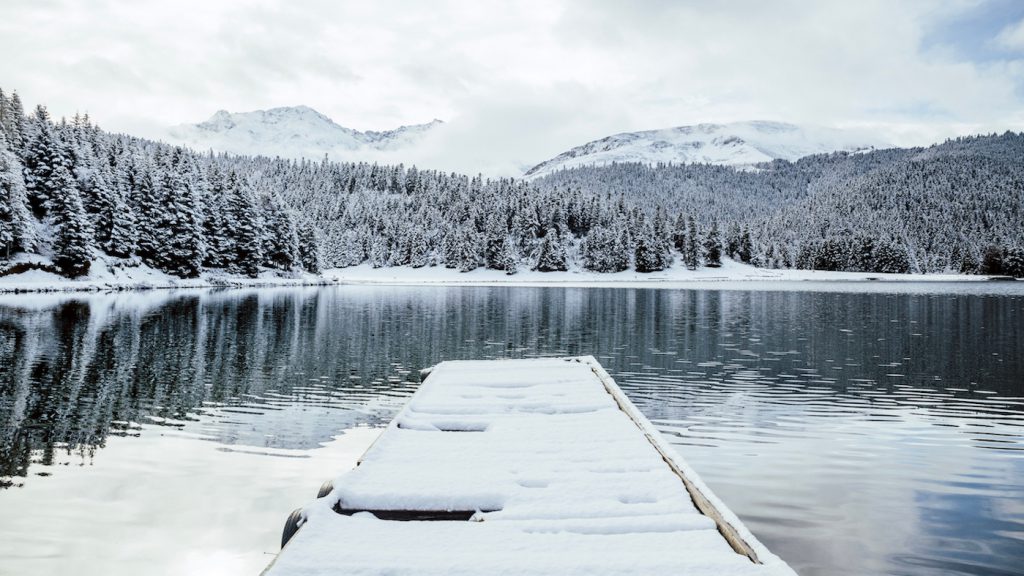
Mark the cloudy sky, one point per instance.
(521, 81)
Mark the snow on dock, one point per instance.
(521, 467)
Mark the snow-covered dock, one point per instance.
(521, 467)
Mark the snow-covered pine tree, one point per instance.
(623, 248)
(181, 220)
(745, 249)
(283, 247)
(43, 154)
(450, 249)
(713, 247)
(509, 256)
(679, 233)
(248, 227)
(469, 249)
(123, 231)
(309, 248)
(72, 244)
(691, 252)
(495, 233)
(992, 260)
(419, 251)
(99, 197)
(889, 258)
(218, 222)
(1013, 262)
(17, 228)
(663, 233)
(551, 256)
(648, 254)
(3, 115)
(144, 184)
(12, 121)
(378, 251)
(861, 254)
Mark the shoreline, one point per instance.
(142, 278)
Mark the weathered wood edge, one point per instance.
(702, 503)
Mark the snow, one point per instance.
(109, 273)
(117, 274)
(291, 132)
(562, 480)
(677, 276)
(735, 144)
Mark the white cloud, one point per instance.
(1011, 37)
(517, 82)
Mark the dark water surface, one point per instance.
(854, 433)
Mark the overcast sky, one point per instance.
(522, 81)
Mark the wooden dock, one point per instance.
(520, 467)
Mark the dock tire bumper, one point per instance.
(325, 488)
(295, 521)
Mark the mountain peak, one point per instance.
(734, 144)
(291, 132)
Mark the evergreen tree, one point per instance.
(44, 154)
(551, 255)
(713, 248)
(745, 249)
(379, 251)
(182, 223)
(218, 222)
(143, 182)
(992, 261)
(691, 255)
(510, 257)
(648, 254)
(495, 251)
(12, 121)
(245, 217)
(662, 233)
(1013, 262)
(121, 237)
(469, 252)
(100, 199)
(282, 251)
(888, 258)
(451, 251)
(72, 245)
(607, 248)
(17, 232)
(419, 250)
(309, 249)
(679, 233)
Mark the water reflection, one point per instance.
(856, 433)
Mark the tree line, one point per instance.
(73, 192)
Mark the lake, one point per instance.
(855, 428)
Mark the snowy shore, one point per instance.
(106, 277)
(112, 274)
(677, 276)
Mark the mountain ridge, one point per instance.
(732, 144)
(291, 132)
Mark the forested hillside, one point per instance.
(71, 193)
(956, 206)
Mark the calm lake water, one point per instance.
(172, 432)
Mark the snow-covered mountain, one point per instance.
(292, 132)
(734, 144)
